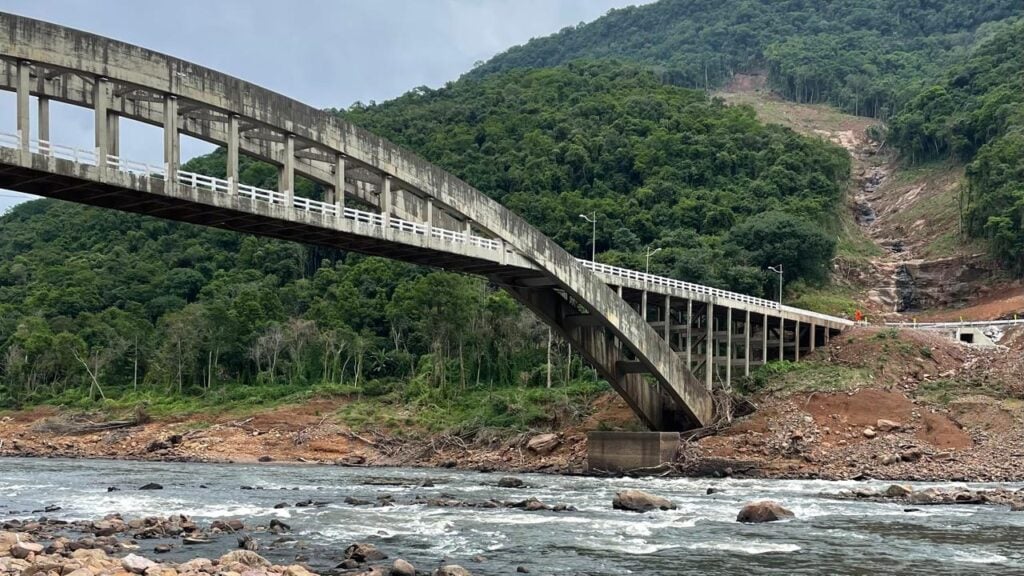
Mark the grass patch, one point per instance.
(947, 390)
(508, 408)
(806, 376)
(833, 300)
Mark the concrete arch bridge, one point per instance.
(660, 342)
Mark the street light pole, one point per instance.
(779, 272)
(647, 268)
(593, 236)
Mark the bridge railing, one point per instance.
(222, 186)
(646, 278)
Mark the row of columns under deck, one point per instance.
(710, 343)
(107, 136)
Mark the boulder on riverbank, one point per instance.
(452, 570)
(763, 511)
(639, 501)
(543, 444)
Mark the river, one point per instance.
(827, 537)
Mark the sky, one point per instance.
(328, 53)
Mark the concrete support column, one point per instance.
(782, 338)
(619, 289)
(643, 305)
(232, 162)
(709, 348)
(385, 202)
(467, 228)
(100, 102)
(796, 334)
(287, 184)
(339, 185)
(764, 341)
(44, 119)
(828, 334)
(23, 93)
(729, 354)
(668, 320)
(430, 217)
(746, 346)
(689, 334)
(813, 336)
(172, 150)
(113, 134)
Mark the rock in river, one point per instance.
(510, 482)
(638, 501)
(763, 511)
(402, 568)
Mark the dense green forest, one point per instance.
(864, 56)
(99, 304)
(975, 114)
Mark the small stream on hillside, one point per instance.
(701, 537)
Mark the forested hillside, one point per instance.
(100, 304)
(864, 56)
(975, 114)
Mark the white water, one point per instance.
(827, 537)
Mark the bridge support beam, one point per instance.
(709, 346)
(339, 185)
(101, 100)
(764, 341)
(796, 334)
(24, 90)
(813, 336)
(386, 202)
(172, 144)
(746, 345)
(43, 122)
(287, 180)
(667, 316)
(232, 161)
(113, 134)
(689, 334)
(730, 353)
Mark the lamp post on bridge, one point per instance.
(779, 272)
(593, 236)
(647, 267)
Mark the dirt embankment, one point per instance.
(921, 408)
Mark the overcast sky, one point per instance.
(326, 53)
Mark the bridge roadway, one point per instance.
(647, 335)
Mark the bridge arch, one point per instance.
(416, 211)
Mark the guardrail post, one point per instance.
(24, 90)
(232, 160)
(339, 185)
(172, 154)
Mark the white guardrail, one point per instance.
(222, 186)
(973, 323)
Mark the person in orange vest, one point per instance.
(858, 316)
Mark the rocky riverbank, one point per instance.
(114, 546)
